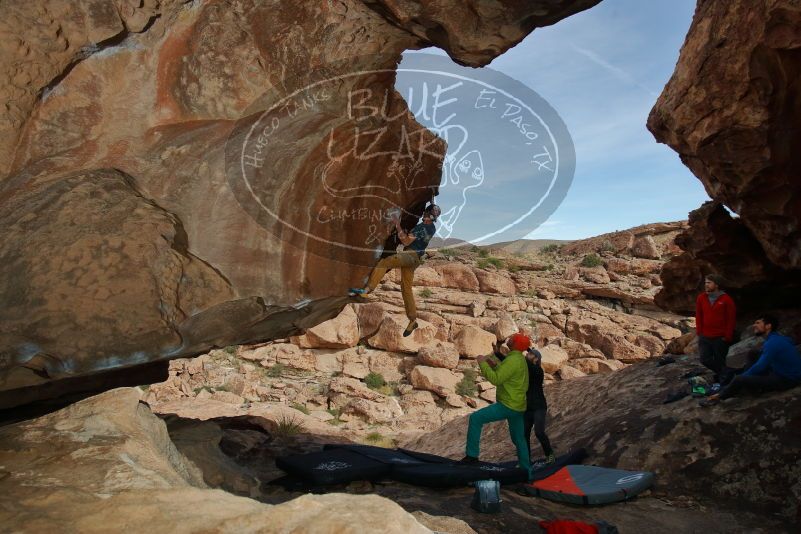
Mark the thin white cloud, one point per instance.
(621, 74)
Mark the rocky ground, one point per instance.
(732, 468)
(209, 435)
(587, 304)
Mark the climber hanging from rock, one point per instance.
(415, 242)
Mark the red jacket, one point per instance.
(715, 320)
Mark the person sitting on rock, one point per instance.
(715, 317)
(510, 377)
(778, 367)
(536, 406)
(407, 261)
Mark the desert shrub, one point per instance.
(230, 349)
(288, 426)
(549, 267)
(513, 268)
(425, 293)
(591, 260)
(276, 371)
(606, 246)
(452, 251)
(483, 253)
(374, 380)
(374, 437)
(483, 263)
(300, 407)
(551, 248)
(467, 385)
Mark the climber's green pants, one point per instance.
(498, 412)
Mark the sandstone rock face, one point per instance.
(119, 467)
(725, 112)
(124, 118)
(716, 242)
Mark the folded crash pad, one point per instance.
(340, 464)
(334, 466)
(590, 484)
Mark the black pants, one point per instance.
(713, 351)
(536, 419)
(756, 384)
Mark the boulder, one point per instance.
(434, 379)
(369, 316)
(375, 412)
(677, 345)
(545, 332)
(645, 247)
(488, 394)
(738, 355)
(606, 336)
(458, 276)
(652, 344)
(490, 282)
(553, 357)
(566, 372)
(505, 327)
(390, 335)
(354, 364)
(439, 354)
(739, 148)
(338, 333)
(472, 341)
(350, 387)
(596, 275)
(455, 401)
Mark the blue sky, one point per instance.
(602, 70)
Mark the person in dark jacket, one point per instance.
(536, 405)
(715, 317)
(778, 367)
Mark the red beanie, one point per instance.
(519, 342)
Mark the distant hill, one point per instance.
(438, 242)
(519, 246)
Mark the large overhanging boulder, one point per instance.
(162, 170)
(716, 242)
(731, 111)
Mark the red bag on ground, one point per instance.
(562, 526)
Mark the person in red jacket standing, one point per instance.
(715, 315)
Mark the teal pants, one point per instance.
(498, 412)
